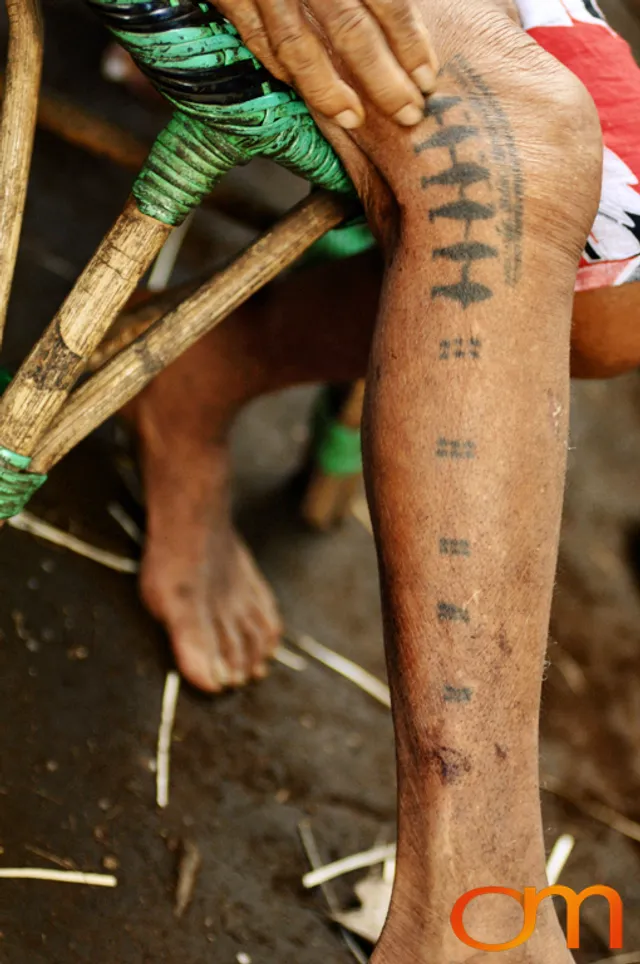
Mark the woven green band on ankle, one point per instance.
(17, 485)
(337, 448)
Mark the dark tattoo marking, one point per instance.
(466, 251)
(459, 174)
(454, 694)
(464, 210)
(501, 753)
(459, 348)
(449, 764)
(509, 179)
(457, 132)
(447, 137)
(503, 642)
(455, 449)
(448, 613)
(455, 547)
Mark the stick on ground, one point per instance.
(58, 876)
(169, 703)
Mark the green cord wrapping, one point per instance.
(337, 447)
(192, 54)
(17, 486)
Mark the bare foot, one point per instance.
(198, 578)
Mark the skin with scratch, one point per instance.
(385, 45)
(464, 445)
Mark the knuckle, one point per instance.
(297, 52)
(348, 28)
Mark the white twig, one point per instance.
(26, 522)
(290, 659)
(560, 853)
(368, 858)
(345, 667)
(125, 522)
(313, 856)
(169, 702)
(166, 260)
(61, 876)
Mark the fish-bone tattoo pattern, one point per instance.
(491, 223)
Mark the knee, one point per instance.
(511, 129)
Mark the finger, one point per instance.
(245, 17)
(300, 51)
(358, 39)
(403, 23)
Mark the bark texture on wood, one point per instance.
(39, 390)
(128, 373)
(17, 128)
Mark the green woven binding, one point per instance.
(17, 486)
(178, 42)
(338, 449)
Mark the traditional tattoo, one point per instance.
(455, 449)
(460, 348)
(449, 764)
(455, 547)
(448, 613)
(501, 181)
(454, 694)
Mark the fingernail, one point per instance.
(425, 78)
(348, 119)
(409, 116)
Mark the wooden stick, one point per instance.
(127, 374)
(328, 498)
(143, 310)
(39, 390)
(24, 67)
(88, 131)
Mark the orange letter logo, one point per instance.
(461, 905)
(529, 901)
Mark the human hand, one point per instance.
(385, 44)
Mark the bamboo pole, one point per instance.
(143, 310)
(128, 373)
(45, 379)
(17, 128)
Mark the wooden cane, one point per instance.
(17, 128)
(128, 373)
(42, 385)
(330, 492)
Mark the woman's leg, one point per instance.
(465, 444)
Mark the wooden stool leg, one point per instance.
(134, 367)
(17, 131)
(45, 379)
(330, 492)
